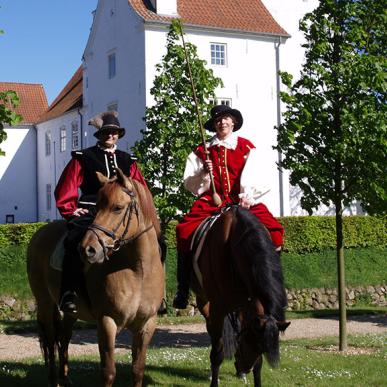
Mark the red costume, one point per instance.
(228, 165)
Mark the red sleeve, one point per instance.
(66, 191)
(136, 174)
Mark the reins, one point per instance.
(121, 241)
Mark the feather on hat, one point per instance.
(106, 122)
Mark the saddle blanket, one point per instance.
(56, 259)
(198, 239)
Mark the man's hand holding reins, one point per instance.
(80, 211)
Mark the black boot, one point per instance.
(183, 280)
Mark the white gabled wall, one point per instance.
(18, 191)
(50, 166)
(116, 29)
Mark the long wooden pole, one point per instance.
(215, 197)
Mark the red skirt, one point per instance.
(202, 209)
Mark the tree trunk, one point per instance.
(341, 277)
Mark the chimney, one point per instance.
(165, 7)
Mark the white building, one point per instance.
(241, 41)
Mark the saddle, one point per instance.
(57, 256)
(199, 237)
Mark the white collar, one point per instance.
(109, 150)
(230, 142)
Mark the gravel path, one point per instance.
(17, 347)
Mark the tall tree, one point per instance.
(333, 137)
(172, 129)
(9, 100)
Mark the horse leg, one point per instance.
(140, 344)
(64, 340)
(107, 330)
(257, 371)
(48, 322)
(215, 330)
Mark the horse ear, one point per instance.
(282, 325)
(123, 180)
(102, 178)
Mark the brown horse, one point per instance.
(124, 279)
(242, 276)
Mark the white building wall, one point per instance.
(51, 166)
(116, 29)
(18, 190)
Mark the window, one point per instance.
(48, 143)
(218, 54)
(221, 101)
(62, 138)
(74, 135)
(112, 65)
(48, 196)
(9, 218)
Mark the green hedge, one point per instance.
(304, 234)
(17, 234)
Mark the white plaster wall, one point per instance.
(50, 167)
(249, 81)
(116, 28)
(18, 193)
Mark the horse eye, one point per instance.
(117, 209)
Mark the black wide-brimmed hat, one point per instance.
(220, 111)
(107, 122)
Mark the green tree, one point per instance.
(8, 102)
(333, 137)
(172, 129)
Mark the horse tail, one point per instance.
(251, 243)
(271, 342)
(47, 345)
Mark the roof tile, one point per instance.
(33, 101)
(240, 15)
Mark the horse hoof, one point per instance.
(242, 376)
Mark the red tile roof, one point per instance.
(69, 98)
(33, 101)
(237, 15)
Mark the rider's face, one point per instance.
(224, 126)
(109, 138)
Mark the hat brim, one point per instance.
(209, 125)
(98, 133)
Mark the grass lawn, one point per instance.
(303, 363)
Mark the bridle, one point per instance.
(118, 242)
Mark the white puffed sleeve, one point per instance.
(252, 186)
(196, 180)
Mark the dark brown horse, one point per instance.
(242, 276)
(124, 279)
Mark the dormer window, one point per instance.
(218, 54)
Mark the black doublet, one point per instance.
(96, 159)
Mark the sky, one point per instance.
(43, 41)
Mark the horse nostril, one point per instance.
(90, 251)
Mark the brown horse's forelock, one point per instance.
(142, 196)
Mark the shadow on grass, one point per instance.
(83, 373)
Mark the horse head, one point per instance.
(117, 220)
(259, 336)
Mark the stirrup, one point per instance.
(67, 302)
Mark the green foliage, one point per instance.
(334, 133)
(172, 130)
(305, 234)
(17, 234)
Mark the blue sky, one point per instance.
(43, 41)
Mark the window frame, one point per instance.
(47, 138)
(62, 138)
(112, 65)
(213, 50)
(48, 197)
(74, 135)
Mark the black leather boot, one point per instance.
(183, 280)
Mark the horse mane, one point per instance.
(252, 242)
(145, 200)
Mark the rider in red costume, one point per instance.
(232, 161)
(80, 174)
